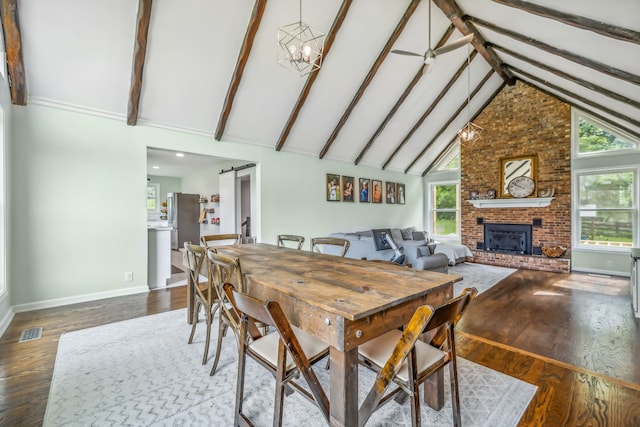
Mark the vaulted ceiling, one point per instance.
(209, 66)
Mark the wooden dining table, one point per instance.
(343, 302)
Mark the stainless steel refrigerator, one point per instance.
(183, 211)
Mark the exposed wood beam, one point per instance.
(577, 80)
(372, 72)
(331, 35)
(583, 23)
(453, 12)
(433, 105)
(451, 119)
(572, 95)
(139, 53)
(579, 107)
(595, 65)
(13, 45)
(243, 57)
(453, 141)
(401, 99)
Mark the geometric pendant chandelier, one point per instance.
(470, 131)
(300, 47)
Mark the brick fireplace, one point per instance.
(520, 121)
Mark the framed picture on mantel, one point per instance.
(513, 167)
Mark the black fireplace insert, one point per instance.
(508, 238)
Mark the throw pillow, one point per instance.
(396, 235)
(418, 235)
(406, 233)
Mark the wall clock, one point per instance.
(521, 186)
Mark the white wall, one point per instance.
(79, 217)
(6, 313)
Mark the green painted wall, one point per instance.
(78, 213)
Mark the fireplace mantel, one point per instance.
(529, 202)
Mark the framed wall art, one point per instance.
(347, 188)
(390, 192)
(513, 167)
(333, 187)
(376, 195)
(363, 190)
(400, 188)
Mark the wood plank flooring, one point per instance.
(572, 335)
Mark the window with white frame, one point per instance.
(444, 194)
(597, 138)
(606, 208)
(605, 196)
(445, 209)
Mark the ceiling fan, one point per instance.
(431, 54)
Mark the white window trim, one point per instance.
(575, 146)
(576, 207)
(157, 187)
(432, 209)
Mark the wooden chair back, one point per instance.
(252, 310)
(211, 240)
(335, 241)
(224, 269)
(196, 256)
(282, 238)
(425, 318)
(203, 293)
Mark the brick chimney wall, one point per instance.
(521, 121)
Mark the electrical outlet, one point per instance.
(609, 263)
(128, 276)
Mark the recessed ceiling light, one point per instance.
(179, 155)
(156, 167)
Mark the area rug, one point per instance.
(480, 276)
(142, 372)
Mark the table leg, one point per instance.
(434, 390)
(344, 388)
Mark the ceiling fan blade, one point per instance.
(404, 52)
(454, 45)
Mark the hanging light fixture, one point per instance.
(300, 47)
(470, 131)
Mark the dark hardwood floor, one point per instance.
(572, 335)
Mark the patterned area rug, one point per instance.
(142, 372)
(480, 276)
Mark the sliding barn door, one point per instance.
(228, 214)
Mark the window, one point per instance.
(153, 199)
(607, 210)
(450, 160)
(445, 212)
(594, 137)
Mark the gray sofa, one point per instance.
(417, 253)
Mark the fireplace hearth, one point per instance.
(508, 238)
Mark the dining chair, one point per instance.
(282, 238)
(221, 239)
(224, 269)
(333, 241)
(287, 354)
(402, 358)
(205, 296)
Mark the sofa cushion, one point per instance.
(396, 235)
(406, 233)
(418, 235)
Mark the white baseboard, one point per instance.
(57, 302)
(6, 321)
(604, 272)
